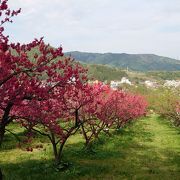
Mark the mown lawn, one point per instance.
(146, 149)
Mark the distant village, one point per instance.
(149, 84)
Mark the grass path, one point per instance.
(156, 150)
(147, 149)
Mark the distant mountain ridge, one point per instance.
(137, 62)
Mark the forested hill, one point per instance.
(138, 62)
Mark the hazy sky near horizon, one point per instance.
(122, 26)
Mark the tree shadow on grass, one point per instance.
(121, 156)
(143, 163)
(11, 142)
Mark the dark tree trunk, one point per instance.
(85, 135)
(5, 121)
(97, 131)
(120, 124)
(2, 132)
(1, 175)
(55, 155)
(76, 118)
(60, 151)
(55, 151)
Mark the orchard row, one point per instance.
(49, 94)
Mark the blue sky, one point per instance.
(122, 26)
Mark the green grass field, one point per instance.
(146, 149)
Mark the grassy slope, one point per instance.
(147, 149)
(104, 73)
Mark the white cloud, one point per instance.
(132, 26)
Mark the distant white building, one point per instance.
(150, 84)
(116, 84)
(124, 80)
(172, 83)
